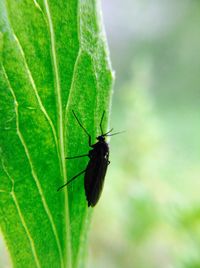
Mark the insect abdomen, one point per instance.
(95, 173)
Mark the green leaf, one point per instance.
(53, 59)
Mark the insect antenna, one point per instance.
(101, 122)
(116, 133)
(82, 127)
(106, 134)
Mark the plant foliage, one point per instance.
(53, 59)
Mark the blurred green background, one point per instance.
(149, 212)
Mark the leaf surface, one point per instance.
(53, 59)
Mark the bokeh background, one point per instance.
(149, 212)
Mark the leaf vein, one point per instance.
(73, 79)
(31, 241)
(36, 91)
(37, 5)
(33, 171)
(57, 87)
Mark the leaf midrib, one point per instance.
(60, 125)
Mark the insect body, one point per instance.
(97, 166)
(96, 170)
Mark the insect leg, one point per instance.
(71, 180)
(89, 136)
(76, 156)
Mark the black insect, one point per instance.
(97, 166)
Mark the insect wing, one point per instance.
(94, 176)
